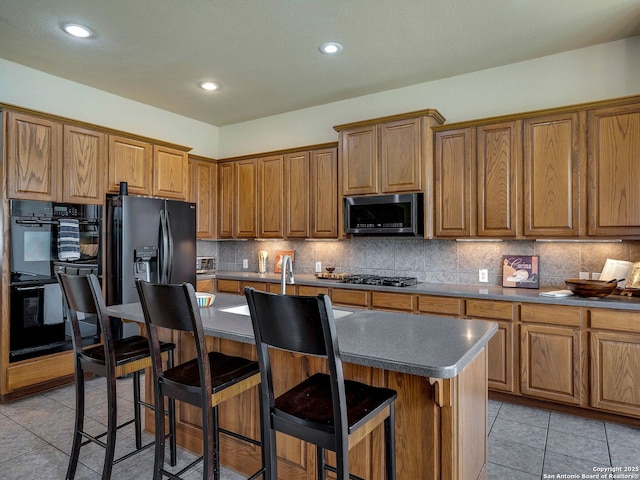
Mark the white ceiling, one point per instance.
(265, 54)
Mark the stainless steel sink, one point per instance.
(244, 310)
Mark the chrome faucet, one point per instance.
(286, 275)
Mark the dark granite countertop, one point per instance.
(428, 346)
(452, 290)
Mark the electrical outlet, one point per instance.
(595, 276)
(583, 275)
(483, 275)
(318, 267)
(245, 263)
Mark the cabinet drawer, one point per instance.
(440, 305)
(615, 320)
(204, 285)
(490, 309)
(356, 298)
(39, 370)
(229, 286)
(551, 314)
(277, 288)
(393, 301)
(260, 286)
(311, 291)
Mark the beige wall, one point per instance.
(594, 73)
(29, 88)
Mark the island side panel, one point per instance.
(464, 422)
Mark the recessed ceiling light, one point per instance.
(330, 48)
(76, 30)
(209, 86)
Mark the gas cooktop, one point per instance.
(379, 280)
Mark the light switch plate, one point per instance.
(318, 267)
(245, 263)
(583, 275)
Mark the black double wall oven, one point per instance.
(40, 247)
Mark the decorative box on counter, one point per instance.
(520, 271)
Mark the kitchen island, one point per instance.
(438, 366)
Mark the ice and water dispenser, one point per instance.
(145, 265)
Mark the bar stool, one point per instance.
(205, 381)
(326, 410)
(113, 359)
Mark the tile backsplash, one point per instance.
(438, 261)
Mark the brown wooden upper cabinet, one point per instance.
(324, 193)
(34, 157)
(148, 169)
(203, 194)
(52, 161)
(226, 201)
(477, 180)
(297, 194)
(311, 196)
(270, 196)
(614, 171)
(170, 172)
(386, 155)
(554, 175)
(455, 183)
(84, 168)
(130, 161)
(245, 223)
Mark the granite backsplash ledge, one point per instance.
(434, 261)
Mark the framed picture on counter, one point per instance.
(520, 271)
(280, 254)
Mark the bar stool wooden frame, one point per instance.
(112, 359)
(325, 409)
(204, 384)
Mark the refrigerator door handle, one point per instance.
(164, 254)
(169, 265)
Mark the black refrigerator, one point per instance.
(153, 239)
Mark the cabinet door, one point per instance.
(85, 154)
(400, 156)
(226, 200)
(246, 192)
(359, 162)
(130, 161)
(615, 372)
(614, 171)
(271, 197)
(297, 195)
(203, 194)
(170, 173)
(554, 157)
(34, 150)
(324, 193)
(454, 169)
(499, 148)
(501, 350)
(551, 363)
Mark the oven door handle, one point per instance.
(23, 289)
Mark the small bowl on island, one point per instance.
(591, 288)
(205, 299)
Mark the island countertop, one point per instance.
(424, 345)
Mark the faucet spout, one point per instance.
(286, 274)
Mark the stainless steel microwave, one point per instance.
(400, 214)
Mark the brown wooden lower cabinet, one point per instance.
(550, 363)
(615, 361)
(206, 285)
(502, 354)
(441, 428)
